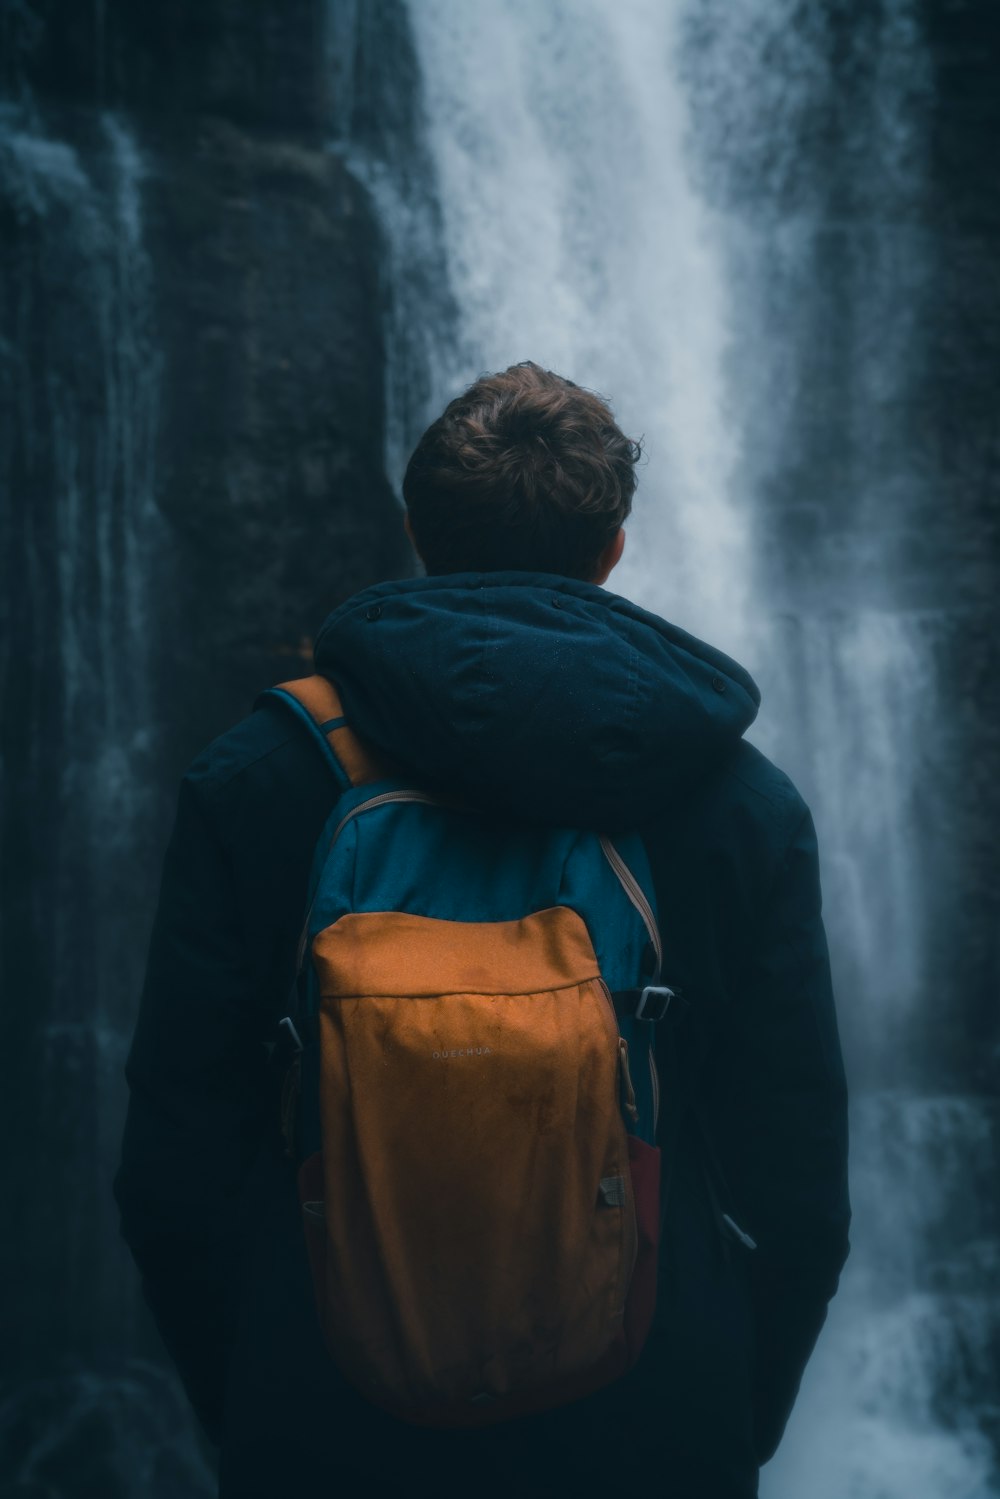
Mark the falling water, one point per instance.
(88, 583)
(81, 380)
(535, 231)
(687, 208)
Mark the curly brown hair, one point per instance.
(524, 471)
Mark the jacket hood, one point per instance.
(534, 693)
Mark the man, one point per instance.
(507, 675)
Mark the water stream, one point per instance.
(81, 380)
(623, 195)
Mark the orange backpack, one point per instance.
(473, 1104)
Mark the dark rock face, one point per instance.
(257, 65)
(191, 461)
(272, 485)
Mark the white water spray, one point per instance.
(573, 237)
(576, 232)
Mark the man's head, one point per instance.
(524, 471)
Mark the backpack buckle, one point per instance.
(654, 1002)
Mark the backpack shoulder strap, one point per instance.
(316, 701)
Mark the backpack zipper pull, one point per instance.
(630, 1104)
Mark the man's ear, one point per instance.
(610, 557)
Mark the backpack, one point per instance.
(473, 1098)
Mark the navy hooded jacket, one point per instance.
(558, 701)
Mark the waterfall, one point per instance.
(81, 795)
(556, 253)
(83, 452)
(712, 215)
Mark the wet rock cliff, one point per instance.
(191, 475)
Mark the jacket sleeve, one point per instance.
(781, 1098)
(196, 1077)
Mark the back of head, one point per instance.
(525, 471)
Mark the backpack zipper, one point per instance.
(631, 1107)
(630, 1231)
(654, 1078)
(637, 896)
(378, 801)
(630, 1227)
(624, 1067)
